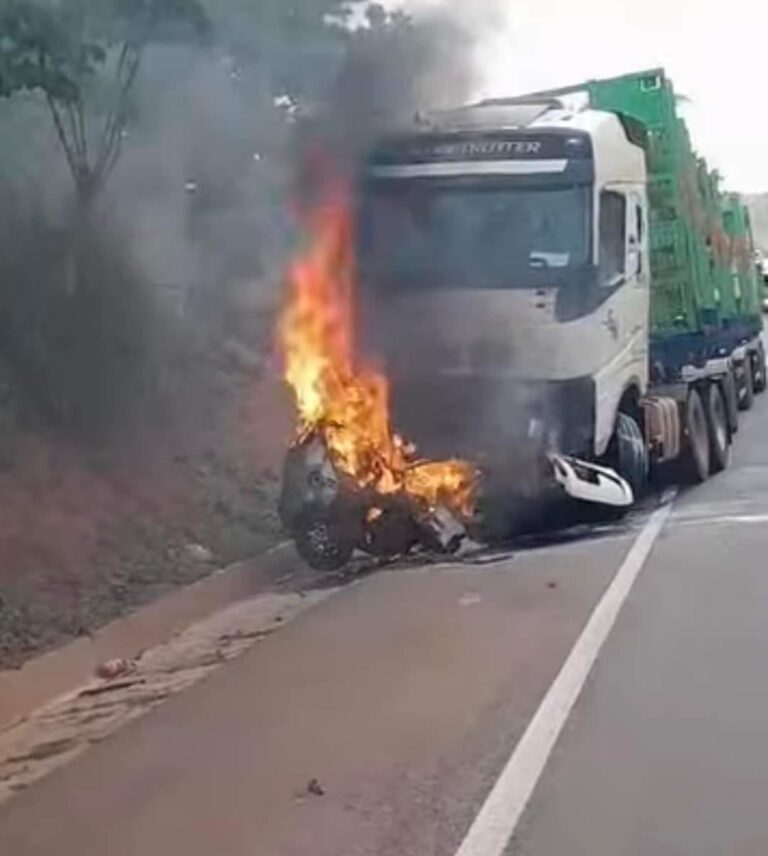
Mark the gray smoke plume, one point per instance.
(199, 207)
(397, 70)
(396, 66)
(202, 184)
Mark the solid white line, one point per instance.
(724, 520)
(494, 826)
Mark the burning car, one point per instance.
(350, 482)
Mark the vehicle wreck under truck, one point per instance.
(562, 269)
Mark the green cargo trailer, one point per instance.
(705, 295)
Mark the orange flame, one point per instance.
(346, 403)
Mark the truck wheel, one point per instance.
(694, 460)
(758, 370)
(631, 453)
(747, 387)
(717, 423)
(731, 395)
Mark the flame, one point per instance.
(347, 403)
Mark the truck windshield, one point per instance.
(429, 235)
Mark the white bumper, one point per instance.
(591, 483)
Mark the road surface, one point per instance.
(388, 719)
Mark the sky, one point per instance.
(716, 55)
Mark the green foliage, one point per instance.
(37, 52)
(63, 48)
(115, 22)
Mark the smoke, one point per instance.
(396, 70)
(202, 184)
(210, 167)
(196, 220)
(396, 65)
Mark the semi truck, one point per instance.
(562, 270)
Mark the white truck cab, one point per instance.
(504, 254)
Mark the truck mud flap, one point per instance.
(590, 482)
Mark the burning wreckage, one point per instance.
(330, 514)
(349, 482)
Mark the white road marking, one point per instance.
(740, 519)
(497, 820)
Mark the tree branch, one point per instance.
(121, 61)
(111, 143)
(74, 131)
(62, 135)
(111, 162)
(112, 115)
(81, 125)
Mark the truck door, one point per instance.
(623, 273)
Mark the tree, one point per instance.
(84, 56)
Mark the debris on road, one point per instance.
(315, 788)
(117, 668)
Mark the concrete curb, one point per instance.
(56, 672)
(59, 731)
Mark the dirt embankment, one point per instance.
(86, 535)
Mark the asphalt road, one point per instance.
(405, 695)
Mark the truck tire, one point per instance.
(717, 423)
(694, 459)
(731, 395)
(747, 387)
(759, 370)
(631, 453)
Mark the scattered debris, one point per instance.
(315, 788)
(446, 532)
(112, 669)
